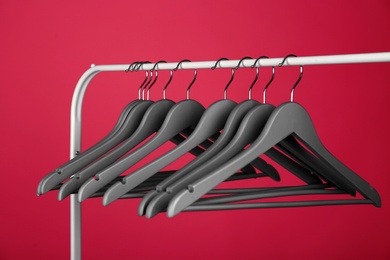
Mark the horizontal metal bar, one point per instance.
(289, 204)
(291, 61)
(266, 194)
(278, 188)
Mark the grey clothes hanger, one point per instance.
(287, 119)
(181, 116)
(124, 128)
(230, 128)
(212, 121)
(145, 119)
(117, 134)
(253, 121)
(176, 182)
(81, 160)
(157, 200)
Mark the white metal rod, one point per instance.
(291, 61)
(78, 96)
(75, 227)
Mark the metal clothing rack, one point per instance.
(81, 87)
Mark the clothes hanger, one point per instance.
(134, 119)
(211, 122)
(287, 119)
(234, 119)
(125, 126)
(145, 119)
(289, 146)
(116, 135)
(174, 183)
(153, 201)
(181, 116)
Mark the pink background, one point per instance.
(45, 47)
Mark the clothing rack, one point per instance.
(78, 96)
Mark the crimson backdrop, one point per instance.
(45, 46)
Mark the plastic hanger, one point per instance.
(120, 131)
(174, 183)
(181, 116)
(124, 127)
(287, 119)
(230, 128)
(145, 119)
(212, 121)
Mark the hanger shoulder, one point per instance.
(150, 123)
(230, 128)
(179, 117)
(211, 122)
(77, 163)
(247, 132)
(273, 132)
(342, 176)
(287, 119)
(134, 119)
(249, 129)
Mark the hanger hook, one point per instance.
(166, 85)
(175, 69)
(135, 66)
(147, 83)
(257, 76)
(269, 82)
(155, 79)
(231, 78)
(130, 68)
(192, 82)
(241, 61)
(300, 75)
(218, 61)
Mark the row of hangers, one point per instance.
(227, 139)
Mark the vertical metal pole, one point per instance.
(75, 228)
(75, 148)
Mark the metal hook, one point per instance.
(130, 68)
(231, 78)
(137, 66)
(299, 79)
(171, 74)
(166, 85)
(147, 84)
(269, 83)
(170, 78)
(155, 79)
(239, 63)
(142, 87)
(193, 80)
(218, 61)
(257, 76)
